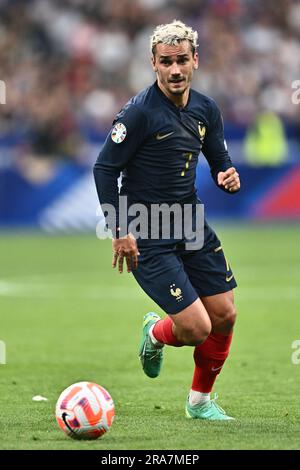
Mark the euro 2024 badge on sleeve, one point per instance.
(118, 133)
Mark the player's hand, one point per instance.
(230, 179)
(125, 247)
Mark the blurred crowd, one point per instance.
(69, 65)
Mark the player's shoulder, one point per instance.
(139, 105)
(204, 101)
(205, 107)
(145, 98)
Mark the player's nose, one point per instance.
(175, 70)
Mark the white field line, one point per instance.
(48, 277)
(245, 270)
(47, 290)
(60, 290)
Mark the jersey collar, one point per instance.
(169, 102)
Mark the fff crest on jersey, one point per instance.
(118, 133)
(202, 131)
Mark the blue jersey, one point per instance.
(156, 145)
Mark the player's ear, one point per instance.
(196, 61)
(153, 62)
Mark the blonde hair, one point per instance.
(172, 34)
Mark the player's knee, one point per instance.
(193, 324)
(202, 334)
(197, 333)
(228, 317)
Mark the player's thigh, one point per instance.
(161, 275)
(208, 269)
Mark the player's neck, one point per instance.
(178, 100)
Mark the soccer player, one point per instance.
(155, 142)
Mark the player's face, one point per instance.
(174, 66)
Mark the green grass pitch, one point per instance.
(66, 316)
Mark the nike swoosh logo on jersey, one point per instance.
(216, 368)
(163, 136)
(228, 278)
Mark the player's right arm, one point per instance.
(215, 151)
(120, 146)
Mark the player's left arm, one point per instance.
(215, 151)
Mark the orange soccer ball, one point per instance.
(85, 410)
